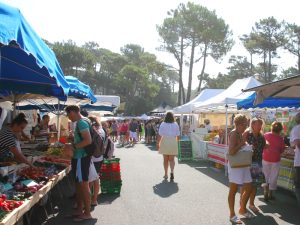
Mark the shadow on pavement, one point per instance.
(260, 219)
(206, 168)
(105, 199)
(284, 207)
(165, 189)
(151, 146)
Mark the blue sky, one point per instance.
(114, 23)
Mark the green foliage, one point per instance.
(292, 43)
(134, 75)
(194, 28)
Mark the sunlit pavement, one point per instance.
(197, 196)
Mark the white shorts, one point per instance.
(239, 175)
(133, 135)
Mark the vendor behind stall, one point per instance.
(207, 125)
(9, 147)
(43, 128)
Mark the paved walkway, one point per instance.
(198, 196)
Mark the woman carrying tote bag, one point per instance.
(238, 176)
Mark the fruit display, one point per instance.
(8, 205)
(32, 173)
(56, 151)
(56, 160)
(210, 136)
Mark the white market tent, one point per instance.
(226, 101)
(228, 98)
(204, 95)
(107, 100)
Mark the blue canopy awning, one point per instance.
(268, 102)
(98, 107)
(80, 90)
(27, 64)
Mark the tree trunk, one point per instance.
(270, 68)
(265, 68)
(203, 69)
(189, 90)
(251, 64)
(298, 64)
(181, 70)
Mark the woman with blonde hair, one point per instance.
(254, 137)
(167, 143)
(238, 176)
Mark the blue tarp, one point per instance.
(27, 64)
(80, 90)
(97, 107)
(268, 102)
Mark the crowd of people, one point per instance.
(264, 169)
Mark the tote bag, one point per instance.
(243, 158)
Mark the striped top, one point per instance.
(7, 141)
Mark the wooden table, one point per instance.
(15, 215)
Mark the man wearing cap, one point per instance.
(295, 141)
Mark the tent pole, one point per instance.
(58, 125)
(226, 126)
(181, 124)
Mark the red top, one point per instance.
(276, 147)
(124, 127)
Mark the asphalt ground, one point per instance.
(198, 195)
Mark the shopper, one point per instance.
(96, 160)
(114, 134)
(271, 158)
(254, 137)
(295, 141)
(133, 129)
(167, 143)
(123, 133)
(80, 163)
(238, 176)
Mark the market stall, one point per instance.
(282, 93)
(22, 186)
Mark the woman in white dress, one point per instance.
(167, 143)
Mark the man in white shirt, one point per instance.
(295, 141)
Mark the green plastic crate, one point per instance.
(185, 150)
(113, 190)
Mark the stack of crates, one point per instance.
(110, 176)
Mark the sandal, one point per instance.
(235, 220)
(247, 215)
(253, 208)
(165, 177)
